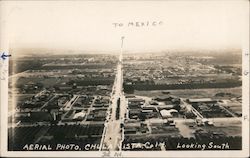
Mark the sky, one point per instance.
(89, 26)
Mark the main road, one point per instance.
(113, 135)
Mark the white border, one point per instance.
(245, 119)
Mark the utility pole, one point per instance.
(122, 38)
(121, 52)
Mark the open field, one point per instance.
(232, 127)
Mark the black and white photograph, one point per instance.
(125, 78)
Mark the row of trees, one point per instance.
(131, 88)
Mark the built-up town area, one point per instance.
(129, 102)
